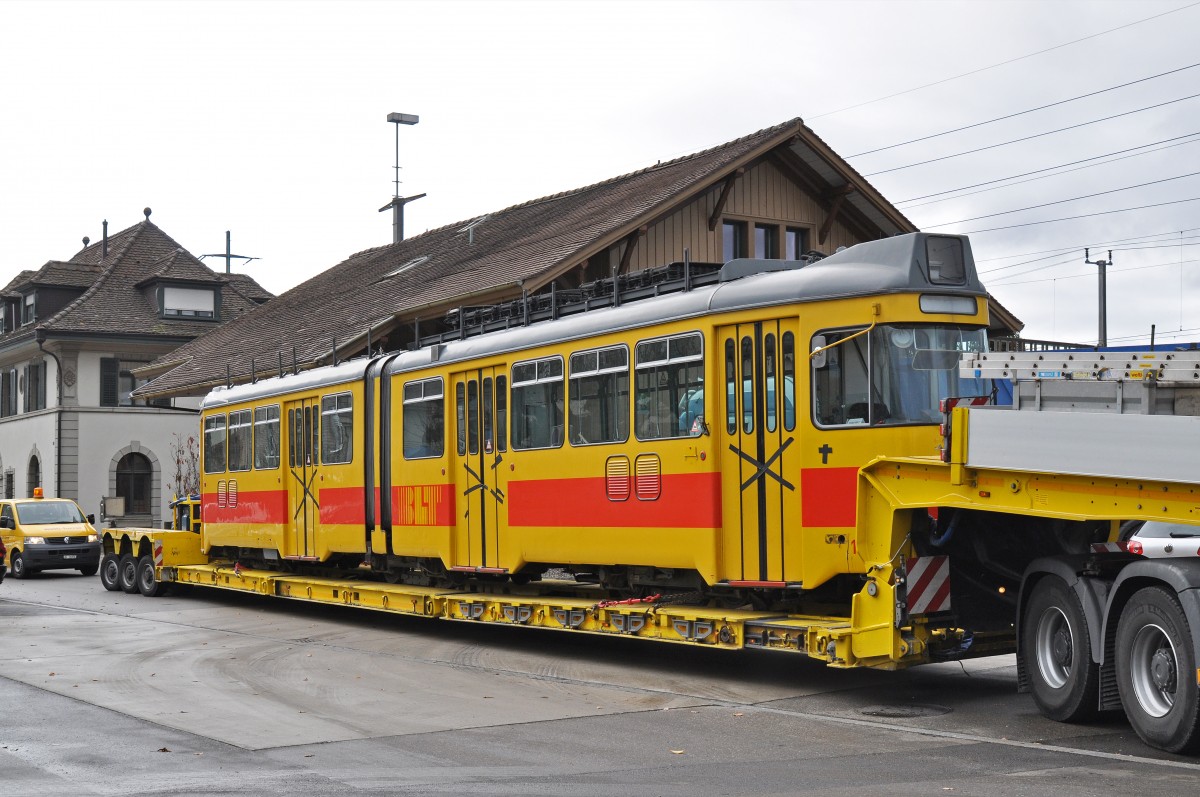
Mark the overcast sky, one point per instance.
(269, 119)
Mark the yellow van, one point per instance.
(48, 534)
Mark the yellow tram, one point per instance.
(703, 439)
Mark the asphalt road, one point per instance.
(208, 693)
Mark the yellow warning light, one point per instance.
(37, 492)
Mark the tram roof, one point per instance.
(888, 266)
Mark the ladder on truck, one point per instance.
(1061, 419)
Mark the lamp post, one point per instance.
(398, 202)
(1103, 264)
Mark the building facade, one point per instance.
(72, 334)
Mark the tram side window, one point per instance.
(424, 411)
(599, 409)
(670, 386)
(240, 440)
(266, 437)
(337, 423)
(841, 384)
(214, 444)
(537, 404)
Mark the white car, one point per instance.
(1157, 539)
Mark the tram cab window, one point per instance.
(214, 444)
(337, 425)
(894, 374)
(670, 386)
(240, 440)
(424, 413)
(599, 396)
(537, 404)
(266, 437)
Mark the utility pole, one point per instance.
(398, 202)
(1103, 264)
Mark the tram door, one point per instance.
(481, 440)
(303, 429)
(760, 479)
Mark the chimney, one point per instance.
(104, 247)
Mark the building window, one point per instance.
(35, 475)
(733, 240)
(8, 392)
(117, 384)
(133, 483)
(35, 387)
(189, 302)
(30, 309)
(795, 243)
(10, 484)
(766, 241)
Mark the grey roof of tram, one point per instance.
(890, 265)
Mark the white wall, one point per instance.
(21, 436)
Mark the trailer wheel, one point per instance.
(1155, 666)
(1056, 646)
(127, 569)
(110, 572)
(147, 580)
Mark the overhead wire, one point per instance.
(1004, 63)
(1063, 201)
(1083, 216)
(1022, 113)
(1030, 138)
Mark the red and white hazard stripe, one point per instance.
(1109, 547)
(950, 403)
(158, 553)
(929, 584)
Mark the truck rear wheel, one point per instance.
(1057, 652)
(1155, 667)
(147, 580)
(127, 577)
(110, 572)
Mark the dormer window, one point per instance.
(188, 302)
(29, 310)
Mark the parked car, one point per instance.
(47, 534)
(1156, 539)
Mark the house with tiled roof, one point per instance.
(777, 193)
(72, 334)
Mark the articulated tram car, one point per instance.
(702, 440)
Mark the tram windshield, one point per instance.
(894, 374)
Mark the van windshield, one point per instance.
(45, 512)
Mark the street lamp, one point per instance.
(1103, 264)
(398, 202)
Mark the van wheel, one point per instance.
(110, 572)
(147, 581)
(90, 570)
(19, 570)
(127, 577)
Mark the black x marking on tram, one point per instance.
(307, 492)
(480, 484)
(764, 468)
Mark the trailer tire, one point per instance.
(1056, 647)
(110, 572)
(127, 577)
(147, 580)
(1155, 666)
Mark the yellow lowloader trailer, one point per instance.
(1014, 539)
